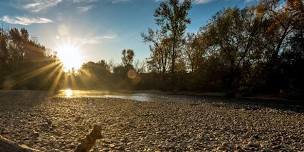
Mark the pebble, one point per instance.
(59, 124)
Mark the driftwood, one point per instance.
(10, 146)
(90, 140)
(86, 145)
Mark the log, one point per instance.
(10, 146)
(85, 146)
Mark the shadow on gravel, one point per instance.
(22, 98)
(257, 103)
(279, 104)
(247, 103)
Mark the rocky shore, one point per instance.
(57, 124)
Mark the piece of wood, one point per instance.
(86, 145)
(10, 146)
(90, 140)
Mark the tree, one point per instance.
(280, 18)
(160, 51)
(229, 37)
(94, 75)
(172, 17)
(127, 57)
(292, 57)
(3, 48)
(140, 66)
(195, 47)
(22, 59)
(4, 54)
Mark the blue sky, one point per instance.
(101, 28)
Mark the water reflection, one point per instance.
(143, 97)
(68, 93)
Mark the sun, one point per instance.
(70, 57)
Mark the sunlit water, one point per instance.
(143, 97)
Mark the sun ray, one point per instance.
(73, 81)
(84, 74)
(35, 73)
(55, 82)
(57, 68)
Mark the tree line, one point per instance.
(24, 63)
(257, 49)
(251, 50)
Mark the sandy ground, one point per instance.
(58, 124)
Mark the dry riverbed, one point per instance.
(58, 124)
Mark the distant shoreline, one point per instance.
(259, 99)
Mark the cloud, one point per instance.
(39, 5)
(84, 5)
(84, 1)
(83, 9)
(84, 40)
(201, 1)
(95, 39)
(119, 1)
(25, 20)
(249, 1)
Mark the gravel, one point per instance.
(58, 124)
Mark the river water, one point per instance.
(142, 97)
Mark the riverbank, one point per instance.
(58, 124)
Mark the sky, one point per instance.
(100, 28)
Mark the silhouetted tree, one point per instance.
(195, 47)
(256, 49)
(22, 60)
(127, 57)
(172, 17)
(160, 51)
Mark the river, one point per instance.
(142, 97)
